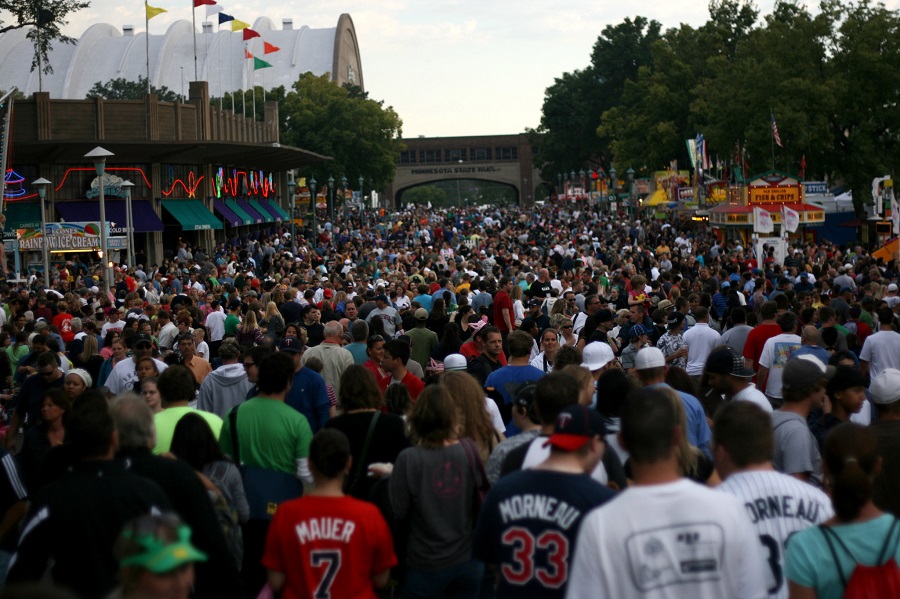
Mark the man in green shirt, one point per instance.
(233, 320)
(423, 340)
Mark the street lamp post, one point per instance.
(331, 196)
(629, 174)
(41, 185)
(129, 222)
(292, 189)
(583, 188)
(343, 194)
(525, 189)
(312, 201)
(99, 156)
(361, 205)
(612, 183)
(558, 185)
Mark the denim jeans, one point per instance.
(462, 581)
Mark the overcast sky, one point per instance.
(455, 67)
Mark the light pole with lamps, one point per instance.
(632, 209)
(99, 156)
(331, 203)
(583, 188)
(343, 193)
(312, 202)
(41, 185)
(361, 204)
(129, 222)
(292, 189)
(612, 185)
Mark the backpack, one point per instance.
(882, 580)
(227, 516)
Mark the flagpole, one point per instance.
(194, 31)
(772, 135)
(147, 40)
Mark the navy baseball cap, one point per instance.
(574, 427)
(638, 330)
(291, 345)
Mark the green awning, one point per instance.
(21, 215)
(192, 214)
(274, 206)
(246, 219)
(262, 211)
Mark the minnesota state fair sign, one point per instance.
(774, 188)
(66, 237)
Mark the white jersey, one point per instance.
(778, 505)
(123, 375)
(669, 541)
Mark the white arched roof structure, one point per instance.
(104, 52)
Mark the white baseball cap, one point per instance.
(892, 287)
(596, 355)
(649, 357)
(885, 388)
(455, 362)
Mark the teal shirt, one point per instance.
(808, 561)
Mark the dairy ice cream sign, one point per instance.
(66, 237)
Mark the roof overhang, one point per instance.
(264, 156)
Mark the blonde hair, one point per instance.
(474, 422)
(249, 322)
(685, 452)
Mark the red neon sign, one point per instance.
(190, 188)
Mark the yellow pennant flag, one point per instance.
(152, 11)
(237, 25)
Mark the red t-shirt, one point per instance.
(502, 301)
(63, 322)
(756, 339)
(414, 384)
(328, 547)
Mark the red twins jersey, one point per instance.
(329, 547)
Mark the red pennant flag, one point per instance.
(247, 54)
(249, 34)
(269, 48)
(198, 3)
(803, 166)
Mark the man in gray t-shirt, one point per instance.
(803, 386)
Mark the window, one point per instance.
(454, 155)
(507, 153)
(408, 157)
(427, 156)
(480, 153)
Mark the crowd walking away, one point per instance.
(467, 403)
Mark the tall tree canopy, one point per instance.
(830, 78)
(46, 19)
(360, 134)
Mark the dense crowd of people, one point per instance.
(499, 403)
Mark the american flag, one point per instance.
(775, 132)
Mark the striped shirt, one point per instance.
(778, 505)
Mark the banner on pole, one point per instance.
(762, 221)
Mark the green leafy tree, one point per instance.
(361, 135)
(567, 135)
(124, 89)
(46, 19)
(865, 75)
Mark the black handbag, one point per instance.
(265, 488)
